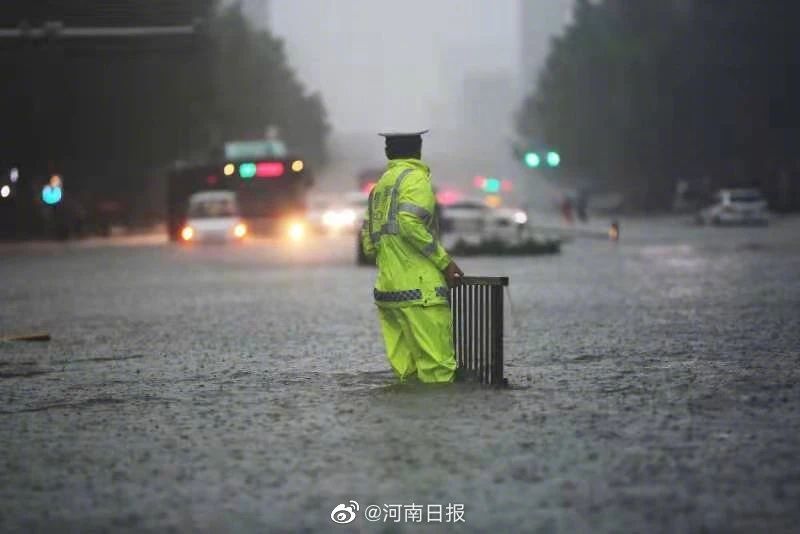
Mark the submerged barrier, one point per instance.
(477, 305)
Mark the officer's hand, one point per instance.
(452, 274)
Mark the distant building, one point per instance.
(488, 101)
(539, 21)
(458, 68)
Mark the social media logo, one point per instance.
(373, 512)
(344, 513)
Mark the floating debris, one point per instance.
(37, 336)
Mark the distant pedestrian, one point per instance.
(581, 204)
(566, 209)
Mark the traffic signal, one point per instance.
(51, 195)
(263, 169)
(493, 201)
(247, 170)
(536, 160)
(492, 185)
(532, 160)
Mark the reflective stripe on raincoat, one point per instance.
(401, 231)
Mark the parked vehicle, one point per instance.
(735, 206)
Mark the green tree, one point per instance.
(111, 113)
(255, 87)
(638, 94)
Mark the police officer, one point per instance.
(414, 270)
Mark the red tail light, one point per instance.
(448, 196)
(269, 169)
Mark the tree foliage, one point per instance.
(639, 94)
(255, 87)
(111, 113)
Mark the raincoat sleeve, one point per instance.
(415, 212)
(366, 240)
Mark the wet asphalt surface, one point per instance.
(654, 388)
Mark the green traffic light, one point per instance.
(532, 160)
(51, 195)
(247, 170)
(491, 185)
(553, 159)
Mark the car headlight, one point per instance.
(296, 231)
(348, 217)
(520, 217)
(240, 230)
(187, 233)
(329, 218)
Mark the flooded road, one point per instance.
(654, 388)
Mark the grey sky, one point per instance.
(388, 64)
(454, 66)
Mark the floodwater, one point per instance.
(654, 388)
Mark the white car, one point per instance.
(507, 225)
(213, 216)
(736, 206)
(474, 223)
(336, 214)
(463, 221)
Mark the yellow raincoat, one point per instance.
(400, 230)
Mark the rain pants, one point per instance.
(400, 230)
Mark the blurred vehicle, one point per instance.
(335, 214)
(317, 205)
(213, 216)
(269, 182)
(474, 223)
(735, 206)
(506, 225)
(463, 221)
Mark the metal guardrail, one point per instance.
(477, 306)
